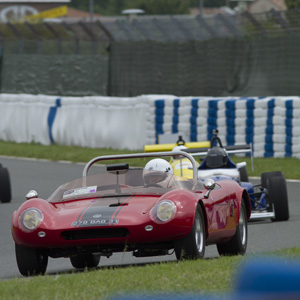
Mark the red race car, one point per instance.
(148, 212)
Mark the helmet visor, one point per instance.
(152, 177)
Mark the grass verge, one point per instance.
(213, 276)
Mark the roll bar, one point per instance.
(142, 155)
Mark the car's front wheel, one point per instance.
(82, 261)
(192, 246)
(31, 261)
(5, 188)
(238, 244)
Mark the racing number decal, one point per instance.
(119, 209)
(96, 215)
(81, 214)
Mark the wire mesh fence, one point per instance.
(220, 55)
(91, 38)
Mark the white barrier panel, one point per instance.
(24, 118)
(271, 124)
(101, 122)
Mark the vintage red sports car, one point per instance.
(124, 209)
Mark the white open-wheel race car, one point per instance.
(269, 198)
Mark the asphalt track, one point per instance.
(45, 177)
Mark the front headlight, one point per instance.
(31, 218)
(163, 211)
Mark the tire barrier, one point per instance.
(271, 124)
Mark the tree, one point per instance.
(151, 7)
(208, 3)
(160, 7)
(112, 7)
(291, 4)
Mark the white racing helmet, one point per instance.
(178, 148)
(156, 171)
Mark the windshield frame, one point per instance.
(130, 183)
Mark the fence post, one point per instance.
(38, 37)
(50, 28)
(254, 22)
(19, 36)
(91, 35)
(77, 41)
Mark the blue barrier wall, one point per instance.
(271, 124)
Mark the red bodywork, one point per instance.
(91, 215)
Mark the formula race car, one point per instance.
(148, 212)
(269, 199)
(5, 187)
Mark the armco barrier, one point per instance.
(271, 124)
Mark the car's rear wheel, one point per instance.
(5, 188)
(267, 175)
(192, 246)
(31, 261)
(82, 261)
(238, 244)
(278, 199)
(244, 174)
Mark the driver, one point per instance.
(181, 165)
(216, 158)
(156, 172)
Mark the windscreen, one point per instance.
(131, 182)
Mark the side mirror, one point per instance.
(31, 194)
(209, 184)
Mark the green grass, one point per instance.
(215, 275)
(289, 166)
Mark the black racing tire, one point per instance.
(278, 198)
(82, 261)
(192, 246)
(265, 177)
(238, 244)
(31, 261)
(244, 174)
(5, 187)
